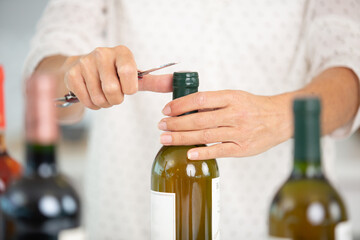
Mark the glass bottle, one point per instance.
(307, 206)
(185, 201)
(42, 203)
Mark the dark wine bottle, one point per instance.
(9, 168)
(307, 206)
(185, 200)
(42, 203)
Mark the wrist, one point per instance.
(283, 103)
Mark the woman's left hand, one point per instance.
(239, 123)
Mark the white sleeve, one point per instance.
(333, 40)
(67, 27)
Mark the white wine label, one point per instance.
(72, 234)
(343, 231)
(163, 225)
(215, 215)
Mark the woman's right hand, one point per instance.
(101, 78)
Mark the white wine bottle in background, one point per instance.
(185, 200)
(42, 203)
(307, 207)
(9, 168)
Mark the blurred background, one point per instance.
(18, 20)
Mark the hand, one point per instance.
(241, 124)
(101, 78)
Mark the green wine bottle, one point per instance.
(307, 207)
(185, 200)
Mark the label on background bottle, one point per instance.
(163, 226)
(215, 215)
(343, 231)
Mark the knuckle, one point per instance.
(221, 151)
(230, 95)
(84, 61)
(127, 70)
(204, 153)
(71, 77)
(122, 48)
(111, 88)
(200, 122)
(217, 151)
(206, 136)
(237, 117)
(99, 101)
(200, 99)
(102, 52)
(72, 73)
(180, 138)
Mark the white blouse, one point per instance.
(260, 46)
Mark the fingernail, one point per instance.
(166, 110)
(165, 139)
(162, 125)
(192, 155)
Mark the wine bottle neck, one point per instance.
(307, 156)
(40, 160)
(183, 91)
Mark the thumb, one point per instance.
(156, 83)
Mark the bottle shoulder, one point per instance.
(56, 184)
(173, 161)
(306, 193)
(311, 185)
(51, 197)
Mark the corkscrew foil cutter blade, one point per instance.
(70, 98)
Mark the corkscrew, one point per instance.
(70, 98)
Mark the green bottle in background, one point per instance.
(185, 200)
(307, 207)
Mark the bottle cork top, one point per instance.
(186, 79)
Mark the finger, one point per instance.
(220, 150)
(197, 101)
(75, 83)
(92, 81)
(156, 83)
(110, 83)
(195, 121)
(126, 70)
(213, 135)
